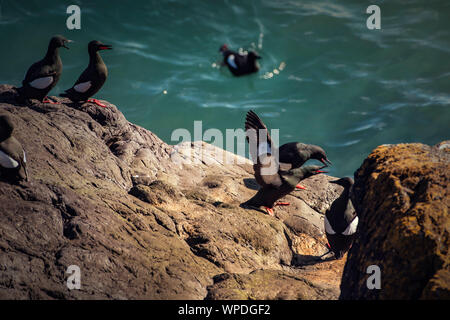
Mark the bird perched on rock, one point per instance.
(278, 185)
(92, 78)
(240, 64)
(13, 161)
(268, 169)
(43, 75)
(341, 220)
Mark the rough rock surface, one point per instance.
(401, 193)
(112, 198)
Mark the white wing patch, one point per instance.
(264, 148)
(351, 229)
(24, 157)
(328, 228)
(7, 162)
(82, 87)
(42, 83)
(231, 62)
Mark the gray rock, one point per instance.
(106, 195)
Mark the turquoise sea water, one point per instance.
(325, 78)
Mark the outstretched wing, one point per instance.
(266, 165)
(258, 133)
(266, 172)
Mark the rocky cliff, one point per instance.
(106, 195)
(401, 193)
(111, 198)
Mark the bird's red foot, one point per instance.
(47, 100)
(299, 186)
(282, 204)
(97, 102)
(269, 211)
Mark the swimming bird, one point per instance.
(240, 64)
(278, 185)
(43, 75)
(13, 161)
(341, 220)
(92, 78)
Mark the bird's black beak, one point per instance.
(67, 41)
(258, 57)
(326, 162)
(105, 47)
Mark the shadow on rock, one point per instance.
(251, 184)
(300, 260)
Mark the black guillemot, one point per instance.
(286, 169)
(341, 220)
(43, 75)
(92, 78)
(240, 64)
(13, 160)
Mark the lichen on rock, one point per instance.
(401, 193)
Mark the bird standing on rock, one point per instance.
(13, 161)
(276, 186)
(43, 75)
(240, 64)
(341, 220)
(92, 78)
(291, 157)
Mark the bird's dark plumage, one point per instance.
(240, 64)
(297, 153)
(276, 178)
(92, 78)
(13, 163)
(291, 155)
(341, 220)
(279, 185)
(43, 75)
